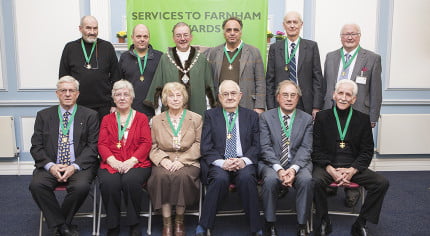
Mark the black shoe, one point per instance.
(270, 229)
(301, 231)
(259, 233)
(67, 230)
(324, 229)
(113, 231)
(352, 195)
(282, 192)
(331, 191)
(359, 230)
(56, 231)
(135, 230)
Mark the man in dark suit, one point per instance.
(286, 146)
(230, 146)
(240, 62)
(298, 60)
(342, 151)
(64, 148)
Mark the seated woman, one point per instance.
(124, 145)
(175, 153)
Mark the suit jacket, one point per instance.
(309, 74)
(300, 139)
(44, 142)
(251, 74)
(369, 96)
(190, 134)
(358, 137)
(212, 146)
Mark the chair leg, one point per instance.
(41, 223)
(149, 230)
(99, 215)
(95, 210)
(200, 200)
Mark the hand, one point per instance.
(114, 163)
(166, 163)
(112, 109)
(56, 171)
(240, 163)
(289, 177)
(176, 165)
(229, 164)
(314, 112)
(127, 165)
(67, 172)
(285, 177)
(259, 110)
(347, 174)
(336, 175)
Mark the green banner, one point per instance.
(205, 18)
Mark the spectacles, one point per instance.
(289, 95)
(350, 34)
(228, 94)
(119, 95)
(179, 36)
(64, 91)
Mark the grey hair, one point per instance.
(121, 84)
(225, 82)
(285, 83)
(350, 82)
(68, 79)
(169, 87)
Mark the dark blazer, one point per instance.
(369, 97)
(309, 74)
(359, 137)
(44, 141)
(212, 144)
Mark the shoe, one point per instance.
(167, 231)
(200, 231)
(352, 195)
(66, 230)
(258, 233)
(331, 191)
(302, 232)
(56, 231)
(179, 229)
(135, 230)
(113, 231)
(359, 230)
(282, 192)
(324, 229)
(270, 229)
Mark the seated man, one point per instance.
(64, 149)
(286, 146)
(342, 152)
(230, 146)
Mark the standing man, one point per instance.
(138, 66)
(342, 152)
(230, 147)
(357, 64)
(184, 64)
(286, 147)
(93, 62)
(241, 63)
(298, 60)
(64, 149)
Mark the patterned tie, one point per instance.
(64, 143)
(284, 151)
(292, 65)
(345, 72)
(230, 145)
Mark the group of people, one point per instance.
(165, 122)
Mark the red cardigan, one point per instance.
(138, 143)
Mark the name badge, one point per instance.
(360, 80)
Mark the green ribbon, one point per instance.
(287, 132)
(87, 59)
(176, 131)
(342, 55)
(145, 58)
(121, 130)
(342, 133)
(227, 120)
(231, 60)
(65, 130)
(287, 57)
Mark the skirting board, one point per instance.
(377, 164)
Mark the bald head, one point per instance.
(140, 37)
(89, 28)
(293, 25)
(88, 19)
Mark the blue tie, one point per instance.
(64, 143)
(292, 65)
(230, 145)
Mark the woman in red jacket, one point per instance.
(124, 144)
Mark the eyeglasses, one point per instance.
(179, 36)
(64, 91)
(119, 95)
(228, 94)
(350, 34)
(288, 95)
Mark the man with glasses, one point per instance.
(355, 63)
(93, 62)
(286, 146)
(240, 62)
(64, 149)
(298, 60)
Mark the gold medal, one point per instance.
(118, 145)
(228, 136)
(230, 67)
(343, 73)
(88, 66)
(287, 142)
(342, 144)
(142, 78)
(286, 68)
(64, 139)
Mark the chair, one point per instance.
(352, 212)
(63, 187)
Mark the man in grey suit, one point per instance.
(286, 146)
(241, 63)
(298, 60)
(363, 67)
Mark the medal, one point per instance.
(176, 141)
(88, 66)
(141, 67)
(342, 133)
(342, 144)
(185, 78)
(287, 142)
(122, 129)
(228, 136)
(343, 73)
(230, 67)
(231, 59)
(88, 58)
(142, 78)
(64, 139)
(286, 68)
(118, 145)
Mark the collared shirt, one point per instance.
(238, 46)
(71, 142)
(351, 66)
(183, 56)
(278, 167)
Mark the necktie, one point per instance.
(230, 145)
(345, 72)
(292, 65)
(64, 143)
(285, 140)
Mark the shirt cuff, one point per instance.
(76, 166)
(295, 167)
(277, 167)
(48, 166)
(218, 163)
(246, 160)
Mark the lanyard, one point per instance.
(121, 130)
(87, 59)
(287, 132)
(342, 134)
(176, 131)
(342, 55)
(65, 130)
(287, 57)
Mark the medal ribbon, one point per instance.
(121, 130)
(145, 58)
(87, 59)
(342, 134)
(288, 58)
(65, 130)
(287, 132)
(342, 55)
(176, 131)
(231, 60)
(227, 120)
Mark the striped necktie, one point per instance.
(64, 143)
(285, 141)
(230, 145)
(292, 65)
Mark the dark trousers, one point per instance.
(42, 189)
(130, 184)
(218, 181)
(376, 186)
